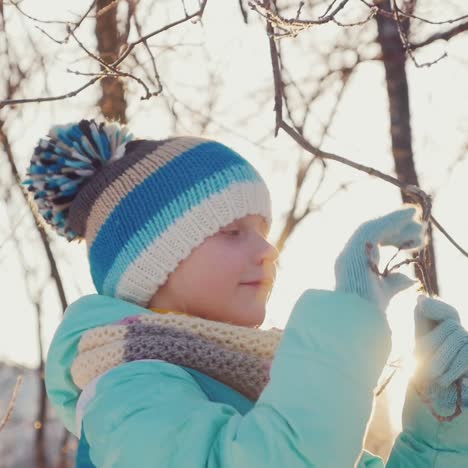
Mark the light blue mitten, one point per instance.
(441, 349)
(434, 423)
(355, 267)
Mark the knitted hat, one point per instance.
(141, 205)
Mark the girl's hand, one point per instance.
(434, 418)
(356, 266)
(441, 350)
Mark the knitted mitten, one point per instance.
(441, 349)
(355, 266)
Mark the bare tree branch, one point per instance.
(277, 78)
(10, 102)
(415, 192)
(445, 36)
(76, 24)
(295, 23)
(387, 14)
(151, 56)
(132, 45)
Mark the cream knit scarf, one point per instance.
(240, 357)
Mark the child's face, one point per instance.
(210, 283)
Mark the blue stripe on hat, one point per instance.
(166, 184)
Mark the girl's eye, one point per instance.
(232, 232)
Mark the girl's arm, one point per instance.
(313, 412)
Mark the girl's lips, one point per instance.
(257, 284)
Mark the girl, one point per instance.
(166, 365)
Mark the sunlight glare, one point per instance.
(408, 366)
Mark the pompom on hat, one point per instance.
(141, 205)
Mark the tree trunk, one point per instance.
(394, 60)
(112, 102)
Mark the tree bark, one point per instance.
(112, 102)
(394, 59)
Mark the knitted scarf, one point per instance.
(239, 357)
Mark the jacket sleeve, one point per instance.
(426, 442)
(313, 412)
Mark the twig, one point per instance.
(326, 155)
(93, 56)
(295, 23)
(411, 190)
(113, 71)
(405, 42)
(386, 382)
(388, 14)
(371, 14)
(326, 11)
(408, 261)
(37, 20)
(11, 404)
(153, 60)
(447, 235)
(446, 35)
(58, 41)
(301, 4)
(10, 102)
(78, 24)
(132, 45)
(119, 74)
(278, 81)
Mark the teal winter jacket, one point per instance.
(314, 411)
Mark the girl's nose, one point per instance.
(269, 252)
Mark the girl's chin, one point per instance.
(254, 319)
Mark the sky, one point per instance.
(359, 132)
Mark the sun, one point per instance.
(408, 365)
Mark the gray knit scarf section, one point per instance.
(243, 372)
